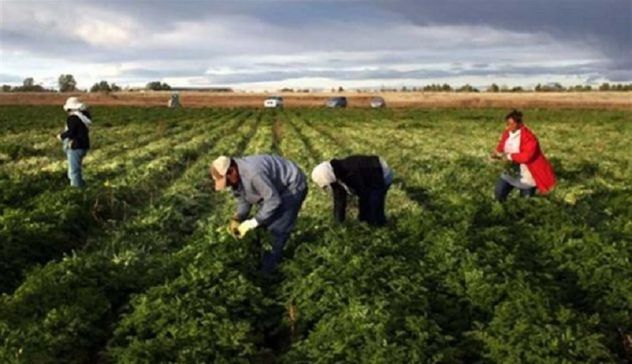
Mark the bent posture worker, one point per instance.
(367, 176)
(276, 184)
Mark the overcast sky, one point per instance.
(273, 44)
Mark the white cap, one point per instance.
(73, 103)
(219, 167)
(323, 174)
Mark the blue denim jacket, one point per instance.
(264, 180)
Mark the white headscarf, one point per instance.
(323, 174)
(84, 119)
(74, 107)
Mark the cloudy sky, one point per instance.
(273, 44)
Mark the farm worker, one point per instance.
(519, 145)
(276, 184)
(75, 138)
(367, 176)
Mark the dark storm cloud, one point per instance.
(600, 24)
(352, 74)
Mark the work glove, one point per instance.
(246, 226)
(233, 227)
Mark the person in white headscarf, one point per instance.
(368, 177)
(76, 138)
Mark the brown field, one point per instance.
(592, 100)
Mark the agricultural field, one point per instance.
(139, 268)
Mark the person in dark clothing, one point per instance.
(76, 139)
(368, 177)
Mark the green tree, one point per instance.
(493, 88)
(67, 83)
(28, 83)
(467, 88)
(157, 86)
(102, 86)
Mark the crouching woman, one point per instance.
(520, 146)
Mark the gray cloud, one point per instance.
(385, 73)
(267, 41)
(601, 24)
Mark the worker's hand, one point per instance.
(59, 137)
(495, 155)
(246, 226)
(233, 227)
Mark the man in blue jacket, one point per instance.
(275, 184)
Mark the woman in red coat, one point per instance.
(519, 145)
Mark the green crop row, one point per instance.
(454, 277)
(61, 220)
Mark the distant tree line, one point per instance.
(157, 86)
(105, 87)
(67, 83)
(28, 85)
(552, 87)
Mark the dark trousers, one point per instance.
(503, 188)
(372, 207)
(281, 228)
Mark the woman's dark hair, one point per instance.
(516, 115)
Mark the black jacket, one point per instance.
(77, 132)
(361, 174)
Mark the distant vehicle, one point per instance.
(273, 102)
(378, 102)
(337, 101)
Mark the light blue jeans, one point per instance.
(75, 157)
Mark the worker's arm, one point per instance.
(71, 133)
(271, 198)
(501, 143)
(340, 202)
(243, 209)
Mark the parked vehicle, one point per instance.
(337, 101)
(273, 102)
(378, 102)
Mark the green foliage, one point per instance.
(157, 86)
(138, 267)
(102, 86)
(67, 83)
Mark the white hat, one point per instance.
(219, 167)
(73, 103)
(323, 174)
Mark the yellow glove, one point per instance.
(246, 226)
(233, 227)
